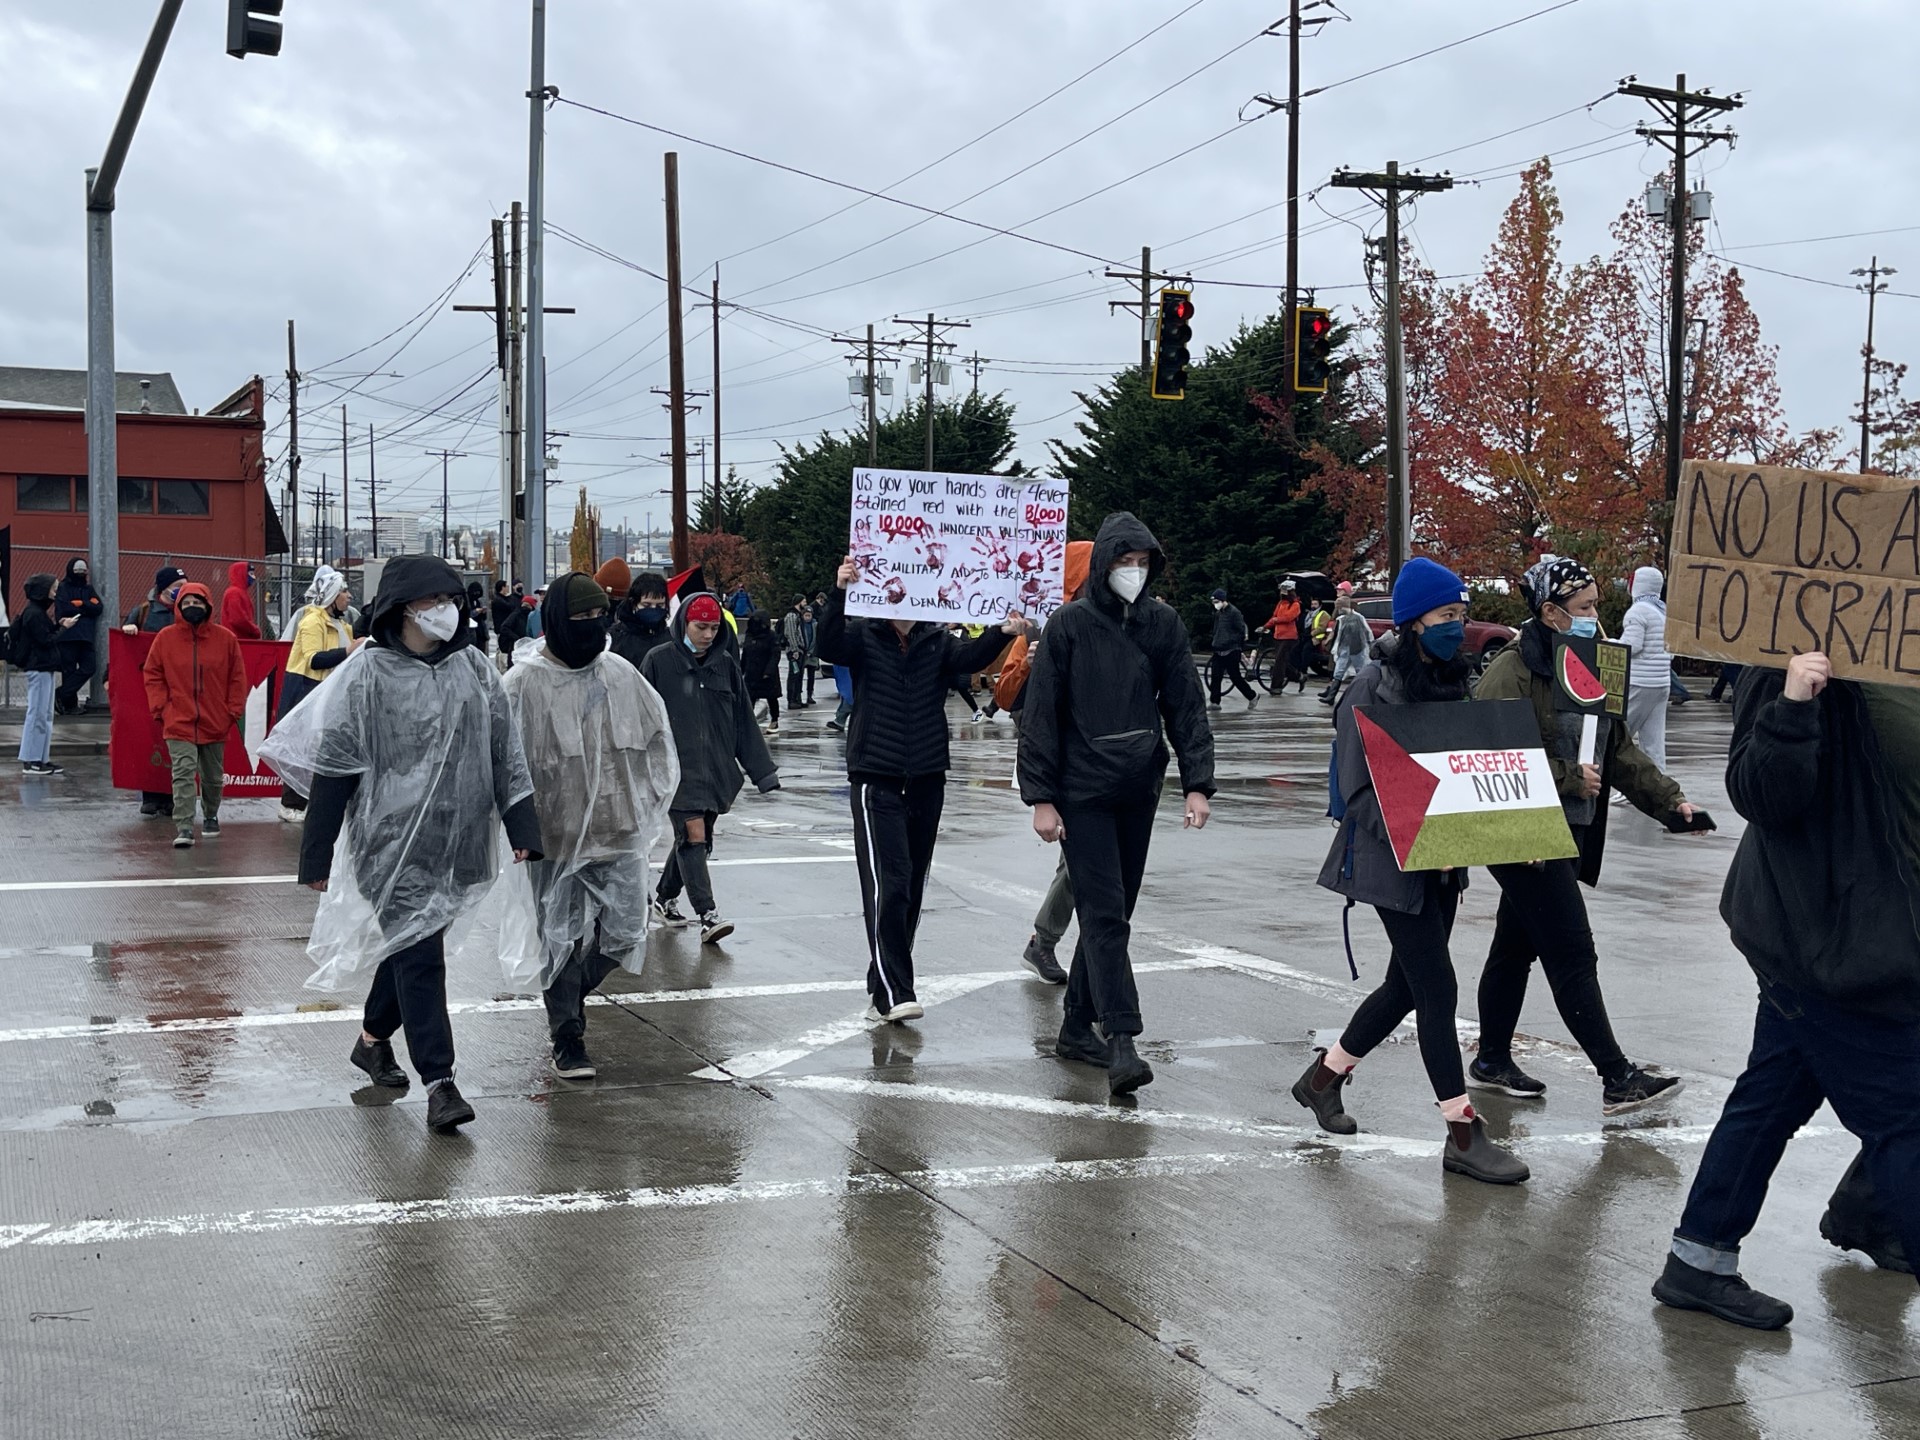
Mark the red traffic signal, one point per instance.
(1312, 350)
(1171, 335)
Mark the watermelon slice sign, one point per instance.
(1583, 687)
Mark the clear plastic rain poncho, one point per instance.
(439, 760)
(604, 769)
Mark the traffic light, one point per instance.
(1170, 337)
(249, 34)
(1312, 350)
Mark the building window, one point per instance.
(51, 492)
(183, 497)
(136, 496)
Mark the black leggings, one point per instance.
(1419, 979)
(1543, 916)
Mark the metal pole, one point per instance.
(1677, 319)
(1146, 312)
(293, 480)
(510, 559)
(1866, 378)
(346, 497)
(373, 499)
(716, 396)
(1398, 510)
(534, 567)
(103, 467)
(873, 436)
(929, 464)
(1292, 301)
(676, 367)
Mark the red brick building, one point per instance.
(192, 486)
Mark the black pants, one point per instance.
(773, 708)
(1419, 978)
(410, 991)
(795, 670)
(964, 690)
(687, 863)
(1224, 670)
(895, 822)
(566, 997)
(1106, 849)
(76, 670)
(1543, 916)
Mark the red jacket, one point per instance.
(1285, 620)
(196, 678)
(236, 603)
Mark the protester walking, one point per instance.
(509, 614)
(1821, 900)
(151, 616)
(1352, 637)
(196, 692)
(236, 602)
(76, 617)
(1112, 684)
(640, 619)
(479, 617)
(322, 640)
(1287, 626)
(1542, 914)
(1418, 663)
(760, 663)
(1650, 673)
(897, 759)
(1229, 640)
(711, 714)
(415, 724)
(33, 646)
(604, 770)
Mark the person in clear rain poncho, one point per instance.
(410, 757)
(604, 771)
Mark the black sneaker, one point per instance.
(1870, 1237)
(1078, 1041)
(149, 808)
(183, 839)
(667, 912)
(210, 828)
(713, 929)
(1504, 1076)
(376, 1058)
(1726, 1297)
(570, 1060)
(1640, 1088)
(1039, 959)
(447, 1108)
(1126, 1071)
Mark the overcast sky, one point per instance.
(349, 182)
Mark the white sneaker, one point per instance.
(293, 817)
(979, 717)
(905, 1010)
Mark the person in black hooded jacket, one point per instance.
(640, 619)
(897, 770)
(1113, 681)
(76, 610)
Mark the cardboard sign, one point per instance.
(1590, 675)
(1465, 783)
(956, 548)
(1769, 563)
(137, 751)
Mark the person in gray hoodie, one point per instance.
(1650, 677)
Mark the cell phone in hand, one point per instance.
(1699, 821)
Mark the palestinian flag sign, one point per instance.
(1463, 783)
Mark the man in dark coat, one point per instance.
(76, 612)
(1822, 901)
(1229, 639)
(1112, 684)
(640, 619)
(897, 771)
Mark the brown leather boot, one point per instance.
(1319, 1091)
(1469, 1152)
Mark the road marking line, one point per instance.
(158, 882)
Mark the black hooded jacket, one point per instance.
(406, 578)
(76, 597)
(1821, 895)
(899, 726)
(634, 637)
(1111, 684)
(35, 634)
(712, 719)
(1229, 630)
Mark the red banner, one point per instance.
(139, 751)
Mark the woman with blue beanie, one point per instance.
(1418, 663)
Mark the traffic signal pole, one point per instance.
(533, 563)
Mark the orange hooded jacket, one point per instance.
(196, 678)
(236, 603)
(1014, 668)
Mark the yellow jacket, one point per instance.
(317, 630)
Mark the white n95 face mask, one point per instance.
(441, 621)
(1127, 581)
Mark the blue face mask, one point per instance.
(1443, 641)
(1585, 626)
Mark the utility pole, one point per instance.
(1683, 136)
(517, 395)
(445, 456)
(865, 352)
(1873, 287)
(1295, 23)
(293, 482)
(974, 365)
(1145, 304)
(102, 412)
(346, 495)
(676, 367)
(373, 499)
(534, 562)
(716, 387)
(319, 494)
(1386, 188)
(934, 327)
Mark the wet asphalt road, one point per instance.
(208, 1229)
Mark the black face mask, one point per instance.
(578, 641)
(194, 614)
(650, 614)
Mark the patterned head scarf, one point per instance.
(1554, 579)
(327, 583)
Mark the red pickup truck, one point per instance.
(1485, 638)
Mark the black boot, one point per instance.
(377, 1060)
(1126, 1071)
(1319, 1091)
(1726, 1297)
(447, 1108)
(1078, 1042)
(1854, 1220)
(1470, 1153)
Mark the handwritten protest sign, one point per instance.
(956, 548)
(1769, 563)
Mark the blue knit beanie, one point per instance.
(1425, 585)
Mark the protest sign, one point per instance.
(1769, 563)
(1463, 784)
(137, 751)
(956, 548)
(1590, 680)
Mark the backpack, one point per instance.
(14, 646)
